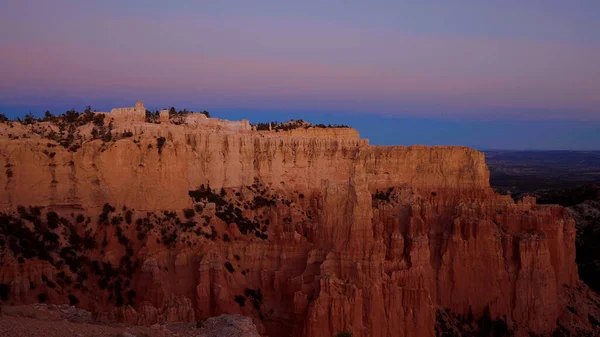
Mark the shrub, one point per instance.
(485, 323)
(52, 219)
(229, 267)
(152, 117)
(29, 119)
(4, 291)
(106, 210)
(160, 142)
(115, 220)
(48, 116)
(189, 213)
(73, 300)
(98, 119)
(128, 216)
(250, 292)
(381, 196)
(42, 297)
(105, 241)
(107, 137)
(255, 304)
(344, 334)
(241, 300)
(130, 296)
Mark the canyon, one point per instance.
(309, 231)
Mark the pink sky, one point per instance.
(274, 62)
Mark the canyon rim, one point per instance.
(309, 230)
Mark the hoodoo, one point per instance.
(308, 230)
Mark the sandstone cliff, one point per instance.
(310, 231)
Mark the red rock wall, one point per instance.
(374, 268)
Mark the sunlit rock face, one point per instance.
(310, 231)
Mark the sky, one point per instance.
(487, 74)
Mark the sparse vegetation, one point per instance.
(343, 334)
(381, 195)
(73, 300)
(153, 116)
(189, 213)
(42, 297)
(229, 267)
(128, 216)
(230, 210)
(4, 291)
(160, 142)
(30, 236)
(449, 324)
(178, 117)
(292, 125)
(64, 129)
(241, 300)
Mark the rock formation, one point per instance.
(310, 231)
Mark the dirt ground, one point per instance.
(66, 321)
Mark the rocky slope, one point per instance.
(311, 231)
(66, 321)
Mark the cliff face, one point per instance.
(309, 231)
